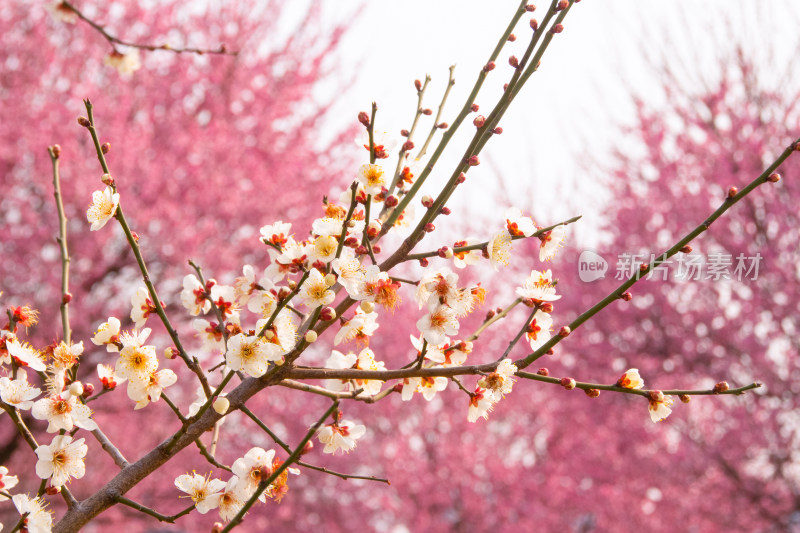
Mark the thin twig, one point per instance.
(148, 511)
(55, 152)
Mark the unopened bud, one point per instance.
(376, 248)
(722, 386)
(269, 334)
(489, 66)
(474, 108)
(217, 527)
(550, 352)
(330, 279)
(391, 201)
(643, 267)
(442, 125)
(562, 5)
(732, 192)
(105, 148)
(656, 396)
(627, 296)
(418, 84)
(530, 7)
(56, 150)
(685, 398)
(534, 24)
(327, 314)
(543, 372)
(284, 292)
(445, 210)
(473, 161)
(51, 490)
(361, 250)
(512, 38)
(513, 61)
(351, 242)
(291, 283)
(479, 121)
(363, 118)
(686, 249)
(427, 111)
(66, 298)
(135, 237)
(429, 227)
(83, 121)
(427, 201)
(592, 393)
(366, 306)
(567, 383)
(445, 252)
(311, 336)
(221, 405)
(774, 177)
(564, 331)
(490, 314)
(528, 302)
(498, 130)
(547, 307)
(408, 146)
(461, 178)
(307, 448)
(76, 388)
(423, 262)
(88, 390)
(558, 28)
(107, 179)
(404, 133)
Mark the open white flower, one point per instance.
(108, 377)
(251, 468)
(499, 249)
(315, 292)
(63, 411)
(437, 287)
(26, 355)
(631, 379)
(205, 492)
(538, 331)
(466, 258)
(499, 382)
(352, 275)
(341, 436)
(193, 296)
(64, 355)
(659, 405)
(108, 333)
(61, 460)
(436, 325)
(251, 354)
(232, 499)
(539, 287)
(481, 403)
(103, 207)
(136, 363)
(276, 234)
(126, 63)
(18, 392)
(6, 482)
(360, 327)
(150, 391)
(519, 225)
(372, 177)
(37, 518)
(551, 242)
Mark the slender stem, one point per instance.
(62, 241)
(294, 457)
(436, 122)
(110, 449)
(522, 330)
(617, 293)
(265, 429)
(340, 475)
(193, 365)
(201, 411)
(209, 456)
(148, 511)
(401, 158)
(497, 316)
(174, 407)
(214, 439)
(112, 40)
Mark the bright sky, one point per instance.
(567, 118)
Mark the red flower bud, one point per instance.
(427, 111)
(732, 192)
(534, 24)
(489, 66)
(83, 121)
(423, 262)
(567, 383)
(429, 227)
(445, 210)
(66, 298)
(408, 146)
(461, 178)
(686, 249)
(562, 5)
(543, 372)
(474, 108)
(418, 85)
(722, 386)
(376, 248)
(391, 201)
(774, 177)
(530, 7)
(498, 130)
(564, 331)
(88, 390)
(363, 118)
(513, 61)
(427, 201)
(56, 149)
(558, 28)
(547, 307)
(685, 398)
(327, 314)
(592, 393)
(479, 121)
(361, 250)
(442, 125)
(512, 38)
(627, 296)
(105, 148)
(474, 161)
(404, 133)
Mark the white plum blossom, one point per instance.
(499, 382)
(64, 355)
(6, 482)
(61, 460)
(103, 207)
(352, 274)
(134, 338)
(499, 249)
(232, 499)
(251, 354)
(251, 468)
(551, 241)
(539, 287)
(108, 378)
(538, 331)
(144, 392)
(341, 436)
(428, 386)
(436, 325)
(631, 379)
(323, 249)
(108, 334)
(126, 63)
(481, 404)
(141, 306)
(372, 177)
(204, 491)
(659, 405)
(468, 257)
(224, 297)
(262, 303)
(193, 296)
(210, 334)
(360, 327)
(519, 225)
(276, 234)
(136, 363)
(63, 411)
(315, 292)
(438, 287)
(37, 518)
(18, 392)
(26, 355)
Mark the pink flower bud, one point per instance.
(567, 383)
(490, 314)
(547, 307)
(656, 396)
(427, 111)
(513, 61)
(722, 386)
(474, 108)
(391, 201)
(562, 5)
(534, 24)
(564, 331)
(427, 201)
(361, 250)
(105, 148)
(376, 248)
(627, 296)
(107, 179)
(404, 133)
(363, 118)
(88, 390)
(423, 262)
(489, 66)
(732, 192)
(498, 130)
(528, 302)
(83, 121)
(51, 490)
(479, 121)
(474, 161)
(774, 177)
(306, 449)
(461, 178)
(429, 227)
(66, 298)
(135, 237)
(445, 210)
(530, 7)
(408, 146)
(686, 249)
(56, 149)
(351, 242)
(512, 38)
(327, 314)
(445, 252)
(418, 85)
(558, 28)
(442, 125)
(543, 372)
